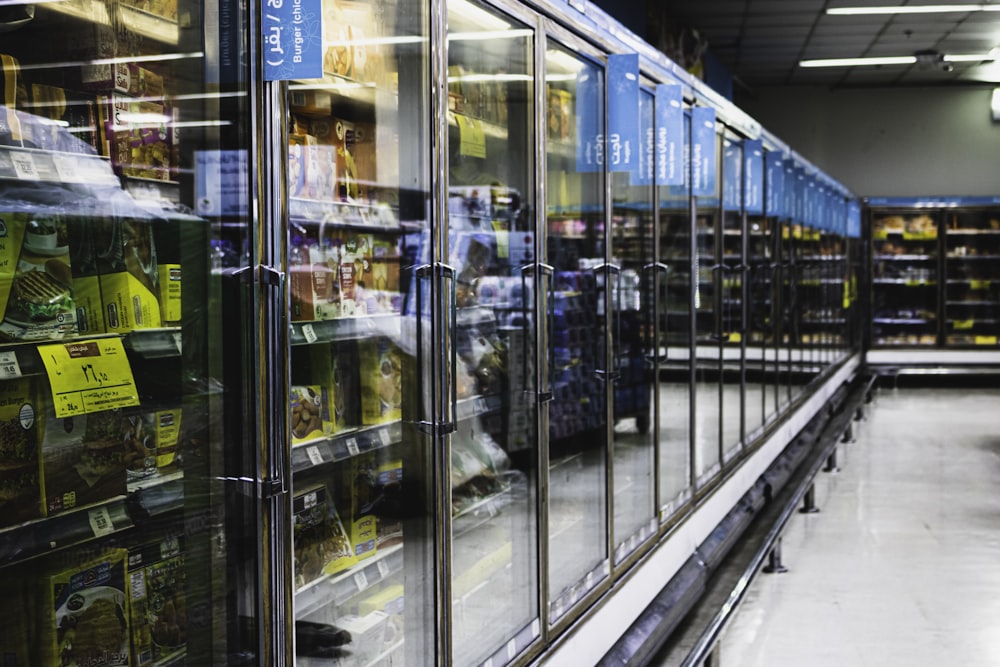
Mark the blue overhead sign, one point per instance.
(623, 112)
(644, 174)
(670, 134)
(292, 39)
(774, 184)
(753, 176)
(589, 120)
(732, 174)
(703, 152)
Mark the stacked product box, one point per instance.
(83, 616)
(157, 601)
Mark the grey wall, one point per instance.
(905, 142)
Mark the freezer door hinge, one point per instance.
(268, 275)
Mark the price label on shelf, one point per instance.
(511, 649)
(9, 368)
(352, 447)
(100, 521)
(309, 333)
(986, 340)
(66, 168)
(89, 376)
(315, 457)
(383, 569)
(361, 580)
(384, 437)
(24, 166)
(979, 284)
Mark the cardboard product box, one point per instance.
(313, 279)
(341, 135)
(338, 57)
(35, 278)
(361, 30)
(20, 489)
(82, 458)
(129, 273)
(319, 541)
(365, 150)
(383, 285)
(123, 77)
(354, 271)
(389, 483)
(309, 408)
(83, 612)
(380, 373)
(86, 280)
(150, 438)
(311, 168)
(136, 135)
(157, 602)
(358, 494)
(167, 237)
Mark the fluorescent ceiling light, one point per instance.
(911, 9)
(855, 62)
(896, 60)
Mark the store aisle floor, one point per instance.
(902, 564)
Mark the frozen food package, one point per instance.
(83, 611)
(157, 601)
(20, 491)
(82, 458)
(320, 543)
(129, 273)
(36, 279)
(380, 368)
(309, 413)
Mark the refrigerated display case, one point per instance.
(576, 248)
(971, 277)
(130, 371)
(905, 276)
(730, 298)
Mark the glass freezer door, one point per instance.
(494, 574)
(358, 179)
(129, 500)
(675, 344)
(633, 251)
(575, 243)
(731, 298)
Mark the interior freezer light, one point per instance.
(910, 9)
(487, 35)
(376, 41)
(480, 78)
(476, 16)
(856, 62)
(159, 57)
(995, 104)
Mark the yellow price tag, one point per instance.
(471, 138)
(89, 376)
(986, 340)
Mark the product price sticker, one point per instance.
(315, 457)
(24, 166)
(9, 368)
(309, 333)
(66, 167)
(384, 437)
(352, 447)
(89, 376)
(100, 521)
(383, 569)
(361, 580)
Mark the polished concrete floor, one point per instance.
(902, 564)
